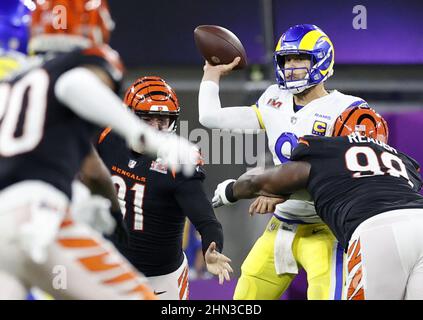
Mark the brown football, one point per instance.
(219, 45)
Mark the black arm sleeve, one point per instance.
(193, 201)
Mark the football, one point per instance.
(219, 45)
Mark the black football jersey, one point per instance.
(40, 138)
(155, 203)
(353, 178)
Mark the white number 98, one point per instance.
(372, 166)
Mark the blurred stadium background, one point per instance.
(382, 64)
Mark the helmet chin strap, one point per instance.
(172, 127)
(296, 87)
(295, 91)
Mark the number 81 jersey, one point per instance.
(149, 195)
(275, 112)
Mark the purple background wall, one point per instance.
(211, 290)
(394, 31)
(161, 34)
(404, 134)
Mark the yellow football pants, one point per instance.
(314, 248)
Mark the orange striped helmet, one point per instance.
(153, 96)
(363, 120)
(62, 25)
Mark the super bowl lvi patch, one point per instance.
(158, 166)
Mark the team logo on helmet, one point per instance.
(363, 120)
(153, 96)
(304, 39)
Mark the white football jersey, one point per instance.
(275, 111)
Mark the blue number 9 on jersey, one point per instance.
(284, 145)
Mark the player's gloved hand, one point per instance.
(217, 263)
(174, 151)
(223, 194)
(39, 230)
(94, 210)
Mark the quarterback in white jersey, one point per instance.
(297, 105)
(284, 126)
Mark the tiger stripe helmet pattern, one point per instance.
(364, 120)
(151, 95)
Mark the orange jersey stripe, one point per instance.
(353, 293)
(121, 278)
(351, 248)
(355, 258)
(78, 243)
(184, 284)
(66, 223)
(98, 263)
(144, 291)
(182, 276)
(358, 296)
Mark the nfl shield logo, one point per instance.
(293, 120)
(132, 164)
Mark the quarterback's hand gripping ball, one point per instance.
(219, 46)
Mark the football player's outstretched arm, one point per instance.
(95, 175)
(211, 113)
(86, 91)
(280, 181)
(193, 201)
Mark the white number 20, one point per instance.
(372, 166)
(32, 110)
